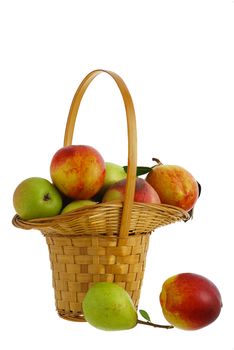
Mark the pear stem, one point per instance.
(148, 323)
(157, 161)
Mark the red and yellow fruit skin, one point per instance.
(174, 185)
(144, 193)
(78, 171)
(190, 301)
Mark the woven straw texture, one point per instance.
(104, 242)
(77, 263)
(105, 219)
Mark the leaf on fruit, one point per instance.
(145, 315)
(199, 193)
(190, 212)
(199, 189)
(141, 170)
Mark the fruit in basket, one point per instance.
(190, 301)
(174, 185)
(114, 173)
(78, 171)
(108, 306)
(36, 197)
(144, 192)
(77, 204)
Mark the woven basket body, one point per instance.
(78, 262)
(104, 242)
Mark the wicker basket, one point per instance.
(103, 242)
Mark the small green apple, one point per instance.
(36, 197)
(77, 204)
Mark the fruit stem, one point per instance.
(148, 323)
(157, 161)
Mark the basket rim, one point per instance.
(95, 210)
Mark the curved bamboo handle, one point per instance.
(132, 139)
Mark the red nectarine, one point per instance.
(190, 301)
(144, 193)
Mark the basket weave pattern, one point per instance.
(79, 262)
(105, 219)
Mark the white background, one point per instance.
(176, 56)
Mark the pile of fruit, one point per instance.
(80, 177)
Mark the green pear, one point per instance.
(36, 197)
(114, 173)
(77, 204)
(108, 306)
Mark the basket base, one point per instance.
(78, 317)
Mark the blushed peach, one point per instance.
(174, 185)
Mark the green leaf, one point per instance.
(145, 315)
(141, 170)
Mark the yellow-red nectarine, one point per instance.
(78, 171)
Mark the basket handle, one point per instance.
(132, 139)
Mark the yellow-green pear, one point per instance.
(114, 173)
(108, 306)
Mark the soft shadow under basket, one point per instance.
(104, 242)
